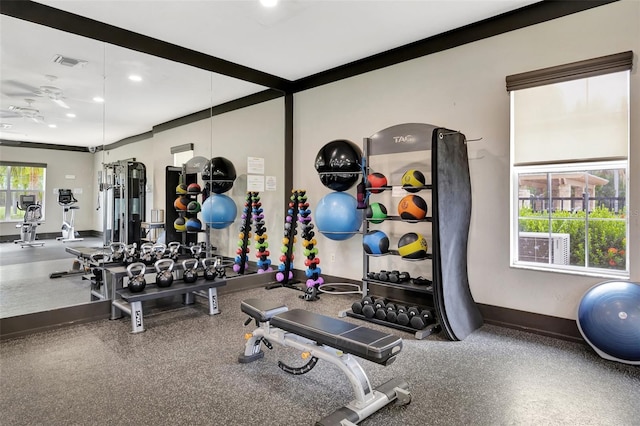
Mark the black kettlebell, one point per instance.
(164, 278)
(130, 254)
(208, 264)
(190, 274)
(135, 272)
(174, 250)
(146, 254)
(159, 250)
(219, 267)
(195, 251)
(117, 251)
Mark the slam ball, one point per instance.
(412, 207)
(376, 213)
(412, 246)
(181, 203)
(375, 242)
(221, 172)
(219, 211)
(194, 225)
(376, 180)
(193, 206)
(181, 188)
(413, 180)
(193, 188)
(337, 216)
(180, 224)
(338, 164)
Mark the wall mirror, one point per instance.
(141, 95)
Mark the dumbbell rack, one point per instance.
(251, 213)
(448, 294)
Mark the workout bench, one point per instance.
(333, 340)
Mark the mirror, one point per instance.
(124, 129)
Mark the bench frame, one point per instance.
(367, 400)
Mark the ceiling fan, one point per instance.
(29, 112)
(55, 94)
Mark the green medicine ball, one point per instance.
(376, 212)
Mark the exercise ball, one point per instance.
(338, 164)
(180, 224)
(375, 242)
(221, 173)
(413, 180)
(193, 206)
(337, 216)
(219, 211)
(412, 207)
(376, 180)
(376, 213)
(194, 225)
(194, 188)
(181, 203)
(412, 246)
(609, 320)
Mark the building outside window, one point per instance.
(569, 167)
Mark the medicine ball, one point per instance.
(193, 206)
(376, 180)
(412, 180)
(194, 225)
(180, 225)
(412, 246)
(376, 213)
(222, 173)
(338, 164)
(181, 188)
(194, 188)
(375, 242)
(181, 203)
(412, 207)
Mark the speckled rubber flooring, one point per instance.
(183, 371)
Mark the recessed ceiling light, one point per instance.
(135, 78)
(268, 3)
(71, 115)
(53, 126)
(98, 99)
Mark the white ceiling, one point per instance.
(295, 39)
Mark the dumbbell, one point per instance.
(356, 307)
(392, 315)
(381, 309)
(402, 317)
(383, 275)
(423, 319)
(398, 277)
(371, 275)
(368, 309)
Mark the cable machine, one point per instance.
(122, 184)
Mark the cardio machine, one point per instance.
(67, 201)
(28, 227)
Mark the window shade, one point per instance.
(577, 120)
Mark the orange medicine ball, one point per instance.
(412, 207)
(181, 203)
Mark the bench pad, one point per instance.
(363, 342)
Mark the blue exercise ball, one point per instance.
(338, 164)
(337, 216)
(609, 320)
(219, 211)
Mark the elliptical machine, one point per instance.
(67, 201)
(32, 215)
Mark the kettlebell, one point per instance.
(97, 261)
(219, 267)
(164, 278)
(190, 274)
(209, 266)
(159, 250)
(174, 250)
(117, 252)
(135, 272)
(195, 251)
(130, 254)
(146, 253)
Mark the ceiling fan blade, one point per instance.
(9, 114)
(61, 103)
(21, 86)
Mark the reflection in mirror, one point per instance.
(149, 105)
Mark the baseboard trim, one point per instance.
(48, 236)
(560, 328)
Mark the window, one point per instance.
(20, 179)
(569, 167)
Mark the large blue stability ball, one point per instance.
(337, 216)
(338, 164)
(219, 211)
(609, 320)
